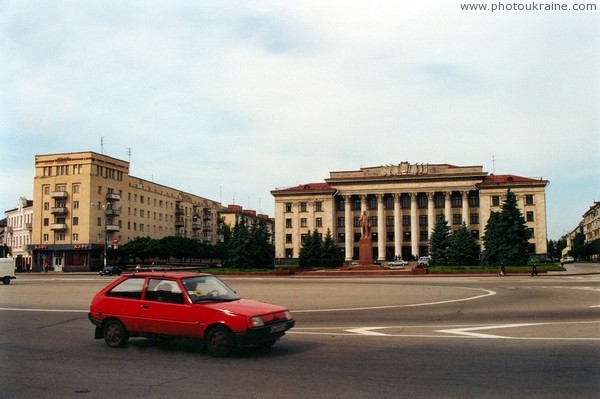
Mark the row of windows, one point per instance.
(422, 200)
(62, 170)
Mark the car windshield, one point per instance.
(208, 289)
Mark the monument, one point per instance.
(365, 244)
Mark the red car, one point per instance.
(185, 305)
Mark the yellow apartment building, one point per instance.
(403, 203)
(85, 204)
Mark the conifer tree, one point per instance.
(463, 248)
(439, 242)
(332, 256)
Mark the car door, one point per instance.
(123, 302)
(166, 310)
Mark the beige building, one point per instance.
(234, 214)
(18, 233)
(85, 203)
(403, 203)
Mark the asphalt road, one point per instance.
(417, 337)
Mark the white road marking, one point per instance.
(367, 331)
(467, 331)
(46, 310)
(487, 293)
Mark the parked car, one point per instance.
(191, 305)
(567, 259)
(424, 261)
(398, 263)
(7, 270)
(110, 270)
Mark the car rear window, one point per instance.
(130, 288)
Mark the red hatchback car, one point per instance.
(185, 305)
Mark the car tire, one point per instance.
(6, 280)
(115, 334)
(220, 341)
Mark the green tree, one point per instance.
(578, 244)
(310, 253)
(463, 248)
(139, 248)
(332, 255)
(239, 246)
(506, 235)
(439, 242)
(262, 251)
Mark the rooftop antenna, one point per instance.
(233, 198)
(128, 154)
(494, 164)
(259, 205)
(101, 144)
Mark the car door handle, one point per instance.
(145, 306)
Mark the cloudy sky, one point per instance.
(232, 99)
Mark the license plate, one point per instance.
(278, 328)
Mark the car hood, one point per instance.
(244, 307)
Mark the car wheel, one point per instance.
(115, 334)
(6, 280)
(220, 341)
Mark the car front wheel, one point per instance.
(6, 280)
(115, 334)
(220, 341)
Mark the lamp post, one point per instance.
(105, 253)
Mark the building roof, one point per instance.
(498, 180)
(306, 187)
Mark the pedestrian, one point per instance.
(534, 270)
(502, 271)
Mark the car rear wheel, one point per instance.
(220, 341)
(115, 334)
(6, 280)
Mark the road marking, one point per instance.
(46, 310)
(487, 293)
(467, 331)
(367, 331)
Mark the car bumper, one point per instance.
(260, 335)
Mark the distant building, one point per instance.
(18, 233)
(234, 214)
(403, 202)
(85, 203)
(590, 225)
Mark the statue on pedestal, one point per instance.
(365, 225)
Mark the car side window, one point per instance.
(162, 290)
(130, 288)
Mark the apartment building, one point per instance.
(18, 233)
(403, 203)
(234, 214)
(85, 204)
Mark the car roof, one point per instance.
(170, 274)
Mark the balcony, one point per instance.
(196, 226)
(59, 194)
(179, 211)
(29, 226)
(59, 210)
(179, 224)
(113, 212)
(112, 227)
(58, 226)
(113, 197)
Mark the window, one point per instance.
(456, 200)
(318, 206)
(390, 236)
(356, 204)
(289, 253)
(75, 188)
(457, 219)
(75, 204)
(303, 207)
(46, 190)
(319, 222)
(356, 222)
(303, 238)
(341, 237)
(46, 221)
(405, 201)
(372, 200)
(288, 238)
(529, 216)
(75, 237)
(405, 220)
(99, 222)
(288, 223)
(474, 199)
(341, 222)
(60, 236)
(340, 204)
(303, 222)
(495, 200)
(389, 221)
(45, 237)
(373, 221)
(161, 290)
(46, 206)
(406, 236)
(439, 200)
(388, 201)
(99, 189)
(422, 220)
(474, 218)
(423, 236)
(422, 200)
(130, 288)
(288, 206)
(75, 221)
(528, 199)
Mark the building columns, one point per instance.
(349, 237)
(465, 208)
(414, 226)
(448, 207)
(381, 229)
(430, 214)
(397, 226)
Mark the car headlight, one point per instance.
(256, 322)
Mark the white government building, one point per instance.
(403, 202)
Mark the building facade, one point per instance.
(403, 203)
(18, 233)
(234, 214)
(86, 203)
